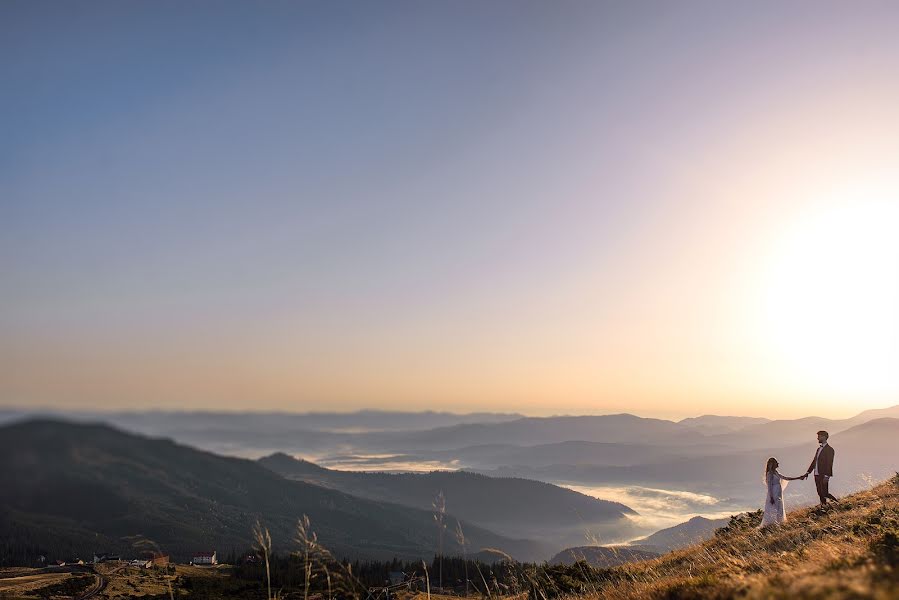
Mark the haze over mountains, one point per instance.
(695, 530)
(509, 506)
(715, 455)
(649, 474)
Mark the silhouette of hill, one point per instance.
(602, 556)
(522, 507)
(877, 434)
(564, 453)
(695, 530)
(891, 412)
(621, 428)
(414, 437)
(714, 424)
(788, 432)
(72, 489)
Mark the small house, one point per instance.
(205, 558)
(106, 557)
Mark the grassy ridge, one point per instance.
(847, 550)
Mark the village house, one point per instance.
(205, 558)
(106, 557)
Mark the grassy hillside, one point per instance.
(848, 550)
(72, 489)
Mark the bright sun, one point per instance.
(829, 303)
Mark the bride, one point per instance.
(774, 502)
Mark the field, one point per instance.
(24, 583)
(106, 581)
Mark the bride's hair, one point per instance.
(769, 467)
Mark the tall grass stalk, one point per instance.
(460, 538)
(142, 542)
(439, 505)
(264, 545)
(427, 579)
(314, 553)
(486, 587)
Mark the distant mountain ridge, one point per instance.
(715, 424)
(253, 435)
(864, 453)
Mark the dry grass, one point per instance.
(424, 596)
(16, 583)
(848, 550)
(129, 582)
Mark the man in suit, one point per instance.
(822, 466)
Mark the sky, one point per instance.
(669, 209)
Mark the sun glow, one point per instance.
(829, 298)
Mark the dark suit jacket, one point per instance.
(825, 461)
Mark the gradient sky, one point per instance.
(667, 208)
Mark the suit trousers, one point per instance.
(823, 485)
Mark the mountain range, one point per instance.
(90, 484)
(73, 489)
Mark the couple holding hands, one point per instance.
(821, 466)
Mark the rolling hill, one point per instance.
(72, 489)
(510, 506)
(697, 529)
(602, 556)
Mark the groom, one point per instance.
(822, 465)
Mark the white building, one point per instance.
(205, 558)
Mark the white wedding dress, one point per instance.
(774, 513)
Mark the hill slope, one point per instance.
(602, 556)
(697, 529)
(848, 550)
(549, 512)
(72, 489)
